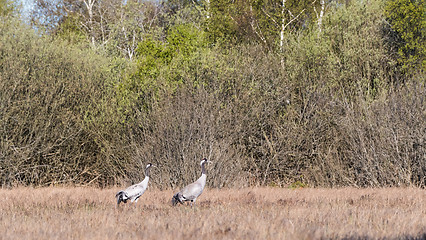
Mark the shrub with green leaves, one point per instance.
(161, 65)
(408, 19)
(7, 8)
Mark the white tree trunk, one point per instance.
(282, 25)
(89, 5)
(321, 15)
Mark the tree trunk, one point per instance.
(282, 26)
(322, 3)
(89, 5)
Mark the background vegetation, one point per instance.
(273, 92)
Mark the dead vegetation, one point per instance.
(248, 213)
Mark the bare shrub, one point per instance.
(48, 91)
(384, 143)
(261, 127)
(181, 130)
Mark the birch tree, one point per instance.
(320, 15)
(135, 21)
(282, 16)
(89, 25)
(109, 25)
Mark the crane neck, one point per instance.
(147, 172)
(203, 168)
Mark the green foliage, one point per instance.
(297, 184)
(153, 54)
(160, 64)
(182, 41)
(221, 26)
(357, 53)
(7, 7)
(69, 30)
(408, 19)
(185, 40)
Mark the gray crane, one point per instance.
(135, 191)
(193, 190)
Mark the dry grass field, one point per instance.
(249, 213)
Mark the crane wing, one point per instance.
(192, 191)
(137, 189)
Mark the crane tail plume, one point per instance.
(176, 199)
(120, 197)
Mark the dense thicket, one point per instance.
(322, 100)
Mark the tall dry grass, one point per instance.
(249, 213)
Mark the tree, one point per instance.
(267, 21)
(289, 15)
(109, 25)
(7, 7)
(408, 19)
(134, 22)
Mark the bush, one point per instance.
(407, 18)
(49, 91)
(329, 110)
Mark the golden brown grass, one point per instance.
(250, 213)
